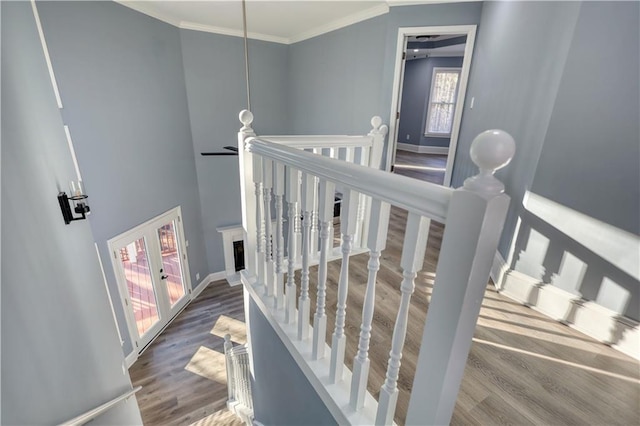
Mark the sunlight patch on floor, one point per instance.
(222, 417)
(558, 360)
(424, 168)
(237, 329)
(209, 364)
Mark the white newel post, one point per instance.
(267, 185)
(308, 200)
(348, 213)
(376, 243)
(247, 194)
(474, 224)
(293, 196)
(326, 197)
(413, 250)
(278, 190)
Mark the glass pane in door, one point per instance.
(135, 263)
(171, 267)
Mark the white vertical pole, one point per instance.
(247, 197)
(326, 197)
(278, 189)
(474, 224)
(308, 200)
(293, 196)
(313, 246)
(413, 250)
(267, 185)
(348, 213)
(376, 243)
(260, 226)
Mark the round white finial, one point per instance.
(492, 149)
(376, 121)
(246, 117)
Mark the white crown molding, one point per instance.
(345, 21)
(341, 23)
(394, 3)
(149, 10)
(231, 32)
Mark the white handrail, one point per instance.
(323, 141)
(92, 414)
(419, 197)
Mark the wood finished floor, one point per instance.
(523, 368)
(426, 167)
(182, 373)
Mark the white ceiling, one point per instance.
(283, 21)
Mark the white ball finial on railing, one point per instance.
(246, 118)
(491, 150)
(376, 122)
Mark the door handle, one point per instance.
(164, 277)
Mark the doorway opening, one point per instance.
(430, 81)
(150, 264)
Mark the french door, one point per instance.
(150, 263)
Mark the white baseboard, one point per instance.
(595, 321)
(440, 150)
(215, 276)
(131, 358)
(498, 270)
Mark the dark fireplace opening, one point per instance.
(238, 255)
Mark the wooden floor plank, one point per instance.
(523, 368)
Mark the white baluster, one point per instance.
(413, 250)
(347, 228)
(247, 197)
(474, 224)
(278, 190)
(260, 225)
(362, 158)
(313, 246)
(231, 380)
(293, 196)
(376, 243)
(267, 185)
(326, 197)
(308, 199)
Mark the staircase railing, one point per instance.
(240, 400)
(474, 216)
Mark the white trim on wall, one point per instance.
(420, 149)
(398, 77)
(148, 9)
(587, 317)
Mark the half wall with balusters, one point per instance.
(301, 175)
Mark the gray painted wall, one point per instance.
(122, 85)
(60, 351)
(416, 90)
(216, 91)
(573, 123)
(293, 401)
(339, 80)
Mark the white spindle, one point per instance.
(376, 243)
(326, 199)
(267, 185)
(293, 196)
(474, 224)
(231, 380)
(413, 250)
(347, 228)
(362, 158)
(278, 190)
(260, 225)
(313, 246)
(247, 198)
(308, 200)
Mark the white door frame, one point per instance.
(398, 77)
(135, 234)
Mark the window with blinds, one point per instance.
(442, 101)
